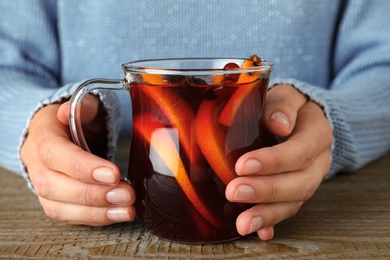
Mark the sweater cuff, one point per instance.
(110, 103)
(342, 151)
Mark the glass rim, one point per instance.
(154, 66)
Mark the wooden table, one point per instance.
(348, 218)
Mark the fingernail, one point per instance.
(256, 224)
(251, 166)
(244, 193)
(118, 214)
(104, 175)
(281, 118)
(118, 196)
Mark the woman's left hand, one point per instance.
(280, 178)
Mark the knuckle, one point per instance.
(40, 184)
(50, 210)
(329, 136)
(88, 196)
(45, 151)
(326, 131)
(271, 194)
(90, 215)
(276, 158)
(77, 169)
(307, 157)
(327, 162)
(307, 154)
(311, 185)
(297, 206)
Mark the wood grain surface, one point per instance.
(348, 218)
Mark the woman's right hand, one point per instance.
(74, 185)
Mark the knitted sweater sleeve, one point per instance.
(357, 100)
(30, 76)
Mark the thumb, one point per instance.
(89, 110)
(283, 104)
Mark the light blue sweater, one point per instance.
(337, 53)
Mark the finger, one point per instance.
(61, 188)
(77, 214)
(61, 155)
(311, 136)
(287, 187)
(266, 233)
(48, 146)
(89, 109)
(283, 104)
(264, 216)
(93, 118)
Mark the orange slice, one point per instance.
(166, 148)
(218, 79)
(179, 113)
(211, 139)
(153, 79)
(232, 107)
(248, 77)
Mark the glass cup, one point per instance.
(191, 120)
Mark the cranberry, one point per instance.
(233, 76)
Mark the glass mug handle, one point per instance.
(75, 105)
